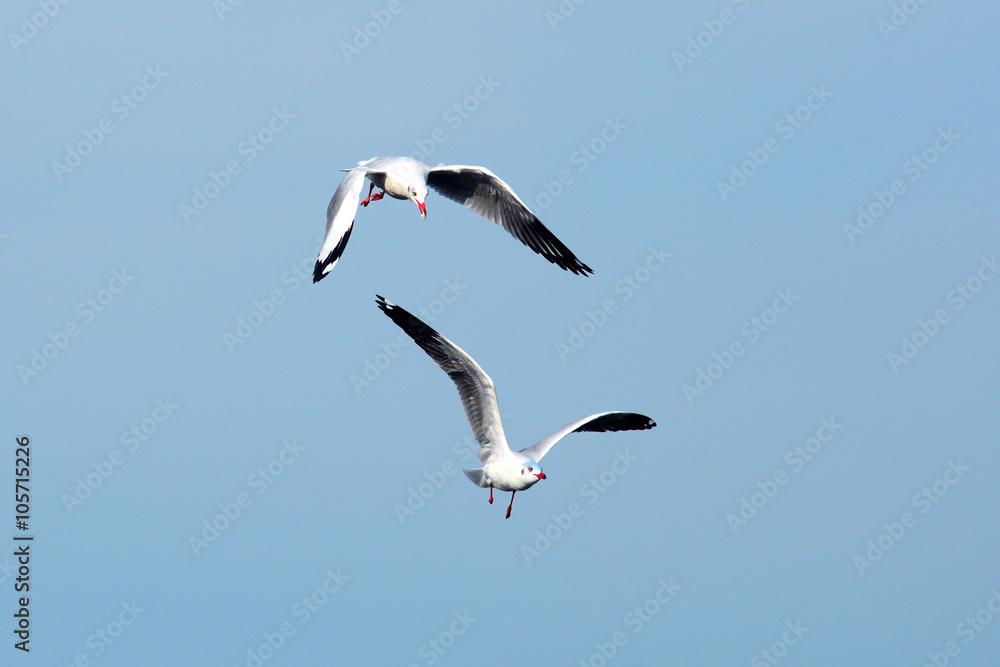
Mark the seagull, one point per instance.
(476, 188)
(503, 469)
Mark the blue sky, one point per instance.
(791, 215)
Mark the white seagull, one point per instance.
(503, 469)
(477, 188)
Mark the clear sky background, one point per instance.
(811, 374)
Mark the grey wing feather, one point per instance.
(475, 387)
(339, 222)
(484, 193)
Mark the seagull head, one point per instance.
(531, 472)
(416, 193)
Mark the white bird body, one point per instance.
(507, 471)
(503, 469)
(393, 175)
(476, 188)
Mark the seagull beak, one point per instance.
(540, 475)
(423, 210)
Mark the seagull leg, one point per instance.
(376, 197)
(368, 199)
(511, 504)
(491, 494)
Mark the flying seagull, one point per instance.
(503, 469)
(477, 188)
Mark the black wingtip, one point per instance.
(318, 274)
(412, 325)
(551, 248)
(619, 421)
(402, 317)
(638, 423)
(324, 266)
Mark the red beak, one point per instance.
(540, 475)
(423, 210)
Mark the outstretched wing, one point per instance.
(339, 222)
(601, 422)
(475, 387)
(482, 192)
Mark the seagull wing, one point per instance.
(475, 387)
(339, 222)
(482, 192)
(601, 422)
